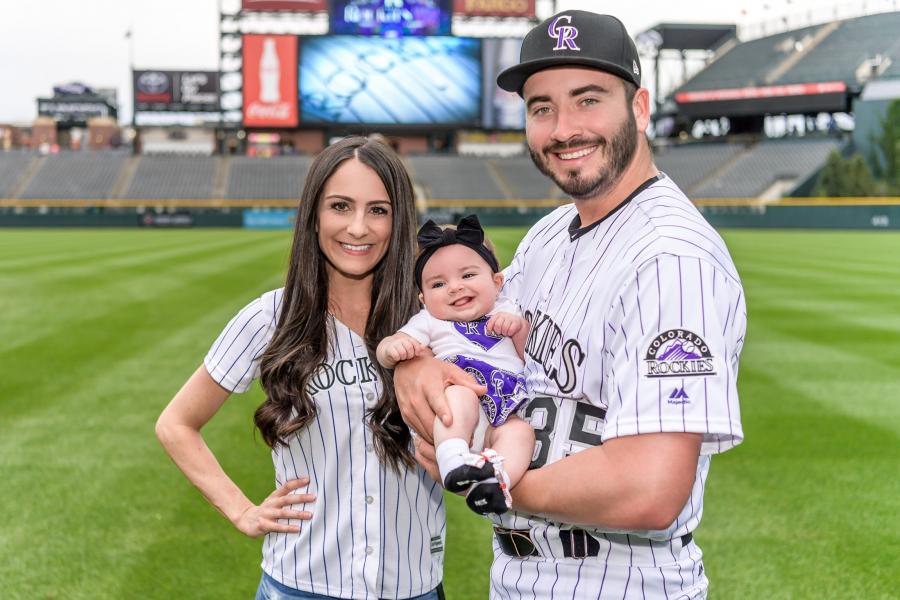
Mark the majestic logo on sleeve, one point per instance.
(678, 353)
(563, 34)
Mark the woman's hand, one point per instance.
(256, 521)
(426, 458)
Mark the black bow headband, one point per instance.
(468, 233)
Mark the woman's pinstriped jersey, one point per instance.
(374, 533)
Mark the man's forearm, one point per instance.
(635, 482)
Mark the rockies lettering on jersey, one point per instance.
(637, 324)
(543, 340)
(376, 533)
(345, 372)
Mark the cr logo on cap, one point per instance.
(565, 35)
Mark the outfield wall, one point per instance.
(119, 217)
(807, 213)
(787, 213)
(817, 213)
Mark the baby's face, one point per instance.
(458, 285)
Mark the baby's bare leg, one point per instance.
(452, 443)
(514, 441)
(464, 407)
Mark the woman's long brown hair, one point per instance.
(302, 337)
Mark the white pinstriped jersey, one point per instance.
(637, 324)
(374, 533)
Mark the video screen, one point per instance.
(402, 81)
(391, 18)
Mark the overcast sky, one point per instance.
(48, 42)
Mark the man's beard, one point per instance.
(618, 153)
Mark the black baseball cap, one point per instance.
(575, 37)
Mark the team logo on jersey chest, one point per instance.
(476, 332)
(678, 353)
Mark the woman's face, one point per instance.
(355, 217)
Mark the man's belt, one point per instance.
(576, 543)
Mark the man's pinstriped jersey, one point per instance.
(374, 533)
(637, 324)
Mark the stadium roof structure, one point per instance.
(678, 38)
(809, 70)
(689, 36)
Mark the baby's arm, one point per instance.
(512, 326)
(396, 348)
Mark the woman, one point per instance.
(352, 516)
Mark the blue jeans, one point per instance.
(270, 589)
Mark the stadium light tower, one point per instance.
(649, 43)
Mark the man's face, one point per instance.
(581, 130)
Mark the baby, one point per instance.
(466, 322)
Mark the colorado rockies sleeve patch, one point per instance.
(678, 353)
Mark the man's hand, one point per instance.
(420, 385)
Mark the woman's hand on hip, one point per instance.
(256, 521)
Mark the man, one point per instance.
(637, 323)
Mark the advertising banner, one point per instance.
(176, 91)
(75, 111)
(391, 18)
(494, 8)
(180, 219)
(270, 81)
(286, 5)
(826, 96)
(269, 219)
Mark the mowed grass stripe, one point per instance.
(20, 243)
(94, 291)
(49, 281)
(94, 336)
(875, 316)
(831, 378)
(847, 264)
(164, 249)
(56, 252)
(817, 252)
(871, 344)
(875, 288)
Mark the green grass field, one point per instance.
(100, 328)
